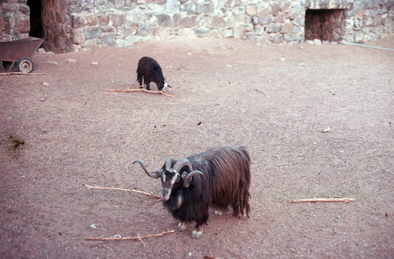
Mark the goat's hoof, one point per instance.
(181, 226)
(218, 212)
(196, 234)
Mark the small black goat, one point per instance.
(150, 71)
(217, 178)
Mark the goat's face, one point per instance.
(169, 178)
(170, 174)
(163, 85)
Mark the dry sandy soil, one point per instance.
(60, 130)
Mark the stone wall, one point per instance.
(124, 22)
(369, 20)
(14, 20)
(80, 23)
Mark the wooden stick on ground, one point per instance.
(122, 189)
(138, 237)
(259, 91)
(20, 73)
(323, 200)
(138, 90)
(278, 157)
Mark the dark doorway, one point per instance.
(35, 18)
(324, 24)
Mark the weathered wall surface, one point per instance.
(80, 23)
(14, 20)
(56, 25)
(123, 22)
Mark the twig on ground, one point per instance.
(323, 200)
(138, 90)
(123, 189)
(20, 73)
(138, 237)
(278, 157)
(259, 91)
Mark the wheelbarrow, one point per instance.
(18, 53)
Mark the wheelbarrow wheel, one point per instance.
(25, 65)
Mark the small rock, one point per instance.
(283, 59)
(71, 61)
(229, 65)
(117, 236)
(317, 42)
(386, 214)
(338, 217)
(189, 53)
(95, 63)
(51, 53)
(41, 51)
(53, 62)
(301, 64)
(326, 130)
(310, 42)
(45, 84)
(190, 254)
(43, 99)
(93, 226)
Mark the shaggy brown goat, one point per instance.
(217, 178)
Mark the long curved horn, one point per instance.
(168, 163)
(182, 163)
(188, 178)
(155, 174)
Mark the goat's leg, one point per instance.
(181, 226)
(139, 78)
(236, 209)
(147, 83)
(197, 232)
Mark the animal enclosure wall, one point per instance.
(70, 24)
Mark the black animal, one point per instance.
(217, 178)
(149, 70)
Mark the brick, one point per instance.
(91, 20)
(118, 19)
(287, 28)
(103, 19)
(163, 20)
(78, 36)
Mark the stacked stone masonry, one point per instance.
(80, 23)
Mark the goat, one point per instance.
(149, 70)
(217, 178)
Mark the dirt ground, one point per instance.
(318, 121)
